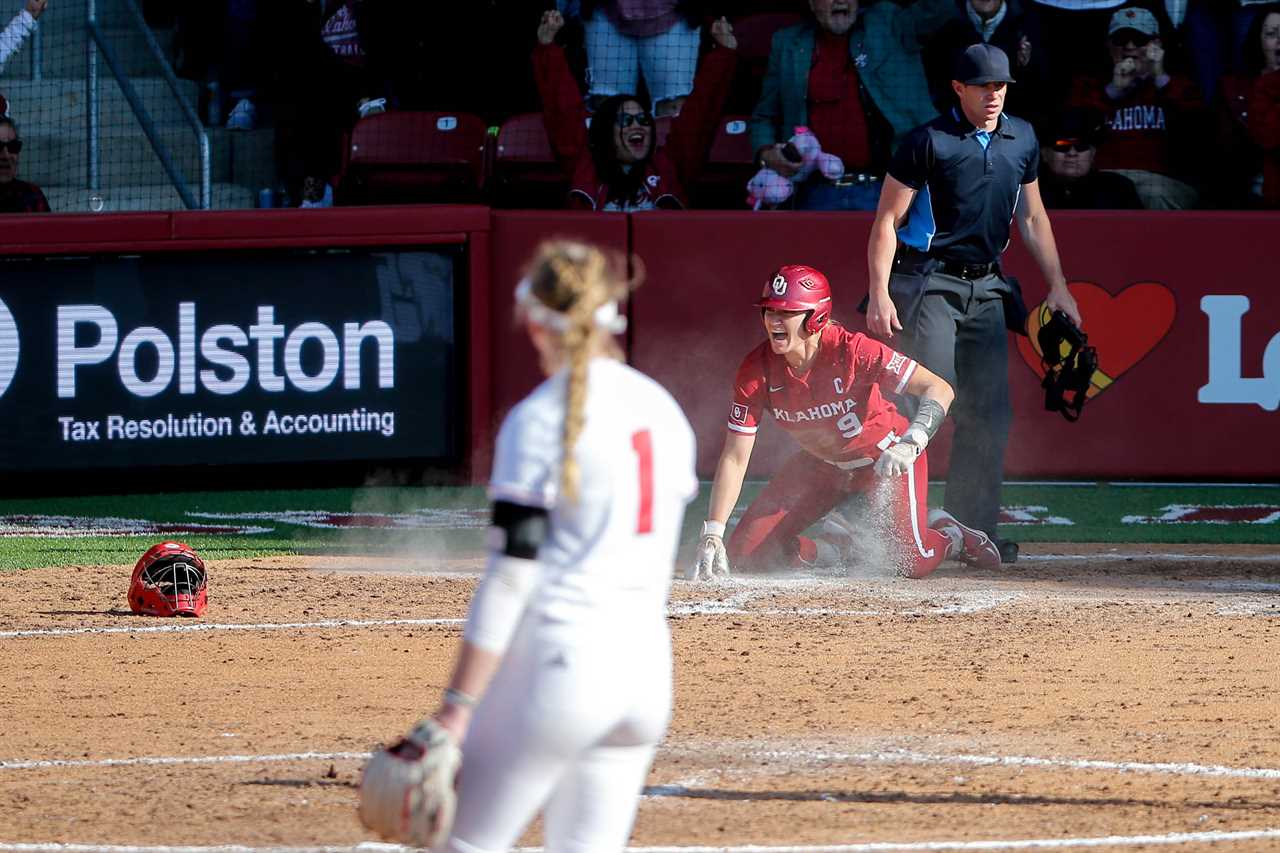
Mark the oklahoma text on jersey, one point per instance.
(837, 411)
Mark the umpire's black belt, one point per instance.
(959, 269)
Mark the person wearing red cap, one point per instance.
(829, 388)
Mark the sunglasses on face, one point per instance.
(1135, 39)
(13, 146)
(1062, 146)
(625, 120)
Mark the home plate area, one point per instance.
(1117, 697)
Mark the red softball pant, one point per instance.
(769, 535)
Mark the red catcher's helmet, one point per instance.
(796, 287)
(169, 580)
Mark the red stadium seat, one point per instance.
(730, 164)
(525, 170)
(398, 157)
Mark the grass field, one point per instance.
(115, 529)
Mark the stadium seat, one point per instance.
(402, 157)
(525, 172)
(730, 164)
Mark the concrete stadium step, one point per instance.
(64, 199)
(63, 102)
(243, 157)
(63, 40)
(126, 157)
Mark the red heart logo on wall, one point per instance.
(1123, 328)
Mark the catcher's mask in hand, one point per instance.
(1069, 364)
(169, 580)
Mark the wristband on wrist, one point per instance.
(713, 528)
(459, 699)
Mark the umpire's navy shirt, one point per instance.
(968, 183)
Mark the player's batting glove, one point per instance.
(898, 459)
(712, 561)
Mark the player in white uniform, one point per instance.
(569, 620)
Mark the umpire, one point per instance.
(953, 188)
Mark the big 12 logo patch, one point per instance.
(1123, 328)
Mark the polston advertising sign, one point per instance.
(283, 356)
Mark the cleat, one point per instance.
(976, 549)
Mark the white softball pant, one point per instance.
(567, 727)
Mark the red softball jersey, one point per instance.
(837, 410)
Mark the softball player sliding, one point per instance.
(591, 477)
(827, 387)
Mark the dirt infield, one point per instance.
(1128, 691)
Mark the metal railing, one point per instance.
(98, 43)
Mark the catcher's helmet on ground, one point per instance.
(169, 580)
(796, 287)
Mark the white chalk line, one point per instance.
(807, 756)
(185, 627)
(736, 604)
(907, 756)
(160, 760)
(1166, 839)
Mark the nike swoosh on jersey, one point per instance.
(773, 390)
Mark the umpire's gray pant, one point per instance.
(959, 334)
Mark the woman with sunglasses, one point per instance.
(16, 196)
(614, 160)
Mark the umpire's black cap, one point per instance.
(981, 64)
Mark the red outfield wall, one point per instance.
(1147, 284)
(1184, 309)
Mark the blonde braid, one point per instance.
(574, 278)
(584, 282)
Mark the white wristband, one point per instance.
(713, 528)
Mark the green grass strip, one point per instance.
(1095, 510)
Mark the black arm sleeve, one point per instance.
(524, 529)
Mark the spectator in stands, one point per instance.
(340, 32)
(1264, 103)
(1072, 30)
(1068, 180)
(16, 196)
(1238, 179)
(1216, 32)
(22, 25)
(318, 84)
(627, 38)
(1011, 25)
(855, 77)
(617, 164)
(1151, 114)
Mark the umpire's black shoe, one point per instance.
(1008, 550)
